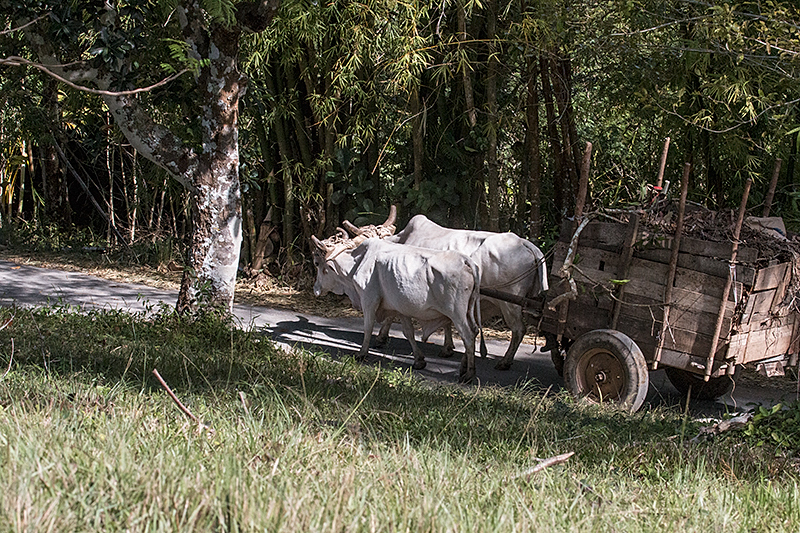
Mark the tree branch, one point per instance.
(20, 61)
(30, 23)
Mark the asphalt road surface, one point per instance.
(32, 286)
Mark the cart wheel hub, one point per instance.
(600, 377)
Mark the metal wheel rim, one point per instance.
(602, 376)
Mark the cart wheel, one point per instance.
(701, 390)
(605, 365)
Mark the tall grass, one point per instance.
(303, 442)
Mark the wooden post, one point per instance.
(729, 282)
(580, 204)
(772, 186)
(673, 263)
(663, 164)
(625, 265)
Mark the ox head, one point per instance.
(386, 229)
(330, 276)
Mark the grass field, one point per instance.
(90, 441)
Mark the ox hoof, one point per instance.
(419, 365)
(446, 352)
(380, 342)
(467, 377)
(503, 365)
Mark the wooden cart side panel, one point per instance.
(595, 266)
(692, 318)
(778, 336)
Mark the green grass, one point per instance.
(89, 441)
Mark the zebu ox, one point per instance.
(384, 279)
(507, 263)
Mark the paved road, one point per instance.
(33, 286)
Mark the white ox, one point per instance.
(507, 263)
(384, 279)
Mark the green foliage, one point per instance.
(778, 426)
(32, 236)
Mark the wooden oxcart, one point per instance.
(625, 300)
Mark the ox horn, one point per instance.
(392, 216)
(349, 226)
(342, 233)
(318, 244)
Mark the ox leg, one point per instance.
(514, 321)
(448, 348)
(369, 323)
(466, 372)
(408, 331)
(383, 334)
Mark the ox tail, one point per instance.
(474, 315)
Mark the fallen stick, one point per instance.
(558, 459)
(175, 399)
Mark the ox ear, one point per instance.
(351, 228)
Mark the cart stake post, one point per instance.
(673, 263)
(773, 184)
(625, 265)
(663, 163)
(580, 203)
(729, 282)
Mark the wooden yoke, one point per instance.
(729, 282)
(673, 264)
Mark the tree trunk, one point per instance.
(533, 161)
(569, 163)
(466, 75)
(216, 233)
(492, 166)
(560, 181)
(288, 185)
(565, 68)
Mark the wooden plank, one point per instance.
(681, 315)
(707, 265)
(759, 305)
(691, 363)
(694, 281)
(713, 249)
(605, 235)
(770, 277)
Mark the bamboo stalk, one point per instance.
(729, 282)
(773, 184)
(673, 263)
